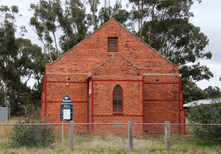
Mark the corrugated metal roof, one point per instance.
(200, 101)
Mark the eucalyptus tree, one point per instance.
(30, 65)
(94, 8)
(116, 12)
(213, 92)
(55, 16)
(105, 14)
(120, 14)
(74, 24)
(140, 12)
(8, 47)
(20, 60)
(192, 92)
(165, 26)
(44, 22)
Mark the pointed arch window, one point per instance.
(117, 99)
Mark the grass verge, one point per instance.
(118, 145)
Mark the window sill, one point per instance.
(118, 113)
(111, 53)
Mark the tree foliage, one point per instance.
(8, 48)
(61, 24)
(213, 92)
(94, 8)
(192, 92)
(171, 34)
(116, 12)
(20, 61)
(30, 64)
(51, 16)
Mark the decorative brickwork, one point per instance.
(150, 83)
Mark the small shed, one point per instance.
(4, 113)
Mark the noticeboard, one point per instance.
(66, 110)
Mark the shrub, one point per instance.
(206, 114)
(31, 136)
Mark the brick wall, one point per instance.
(92, 51)
(150, 83)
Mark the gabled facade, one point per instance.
(113, 76)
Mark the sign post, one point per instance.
(66, 111)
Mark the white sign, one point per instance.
(66, 113)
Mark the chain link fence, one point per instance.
(119, 136)
(196, 136)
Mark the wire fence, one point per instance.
(119, 136)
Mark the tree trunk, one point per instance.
(58, 53)
(138, 8)
(49, 53)
(141, 21)
(116, 6)
(95, 26)
(165, 38)
(68, 42)
(167, 33)
(109, 8)
(152, 20)
(6, 91)
(92, 3)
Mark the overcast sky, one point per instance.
(206, 16)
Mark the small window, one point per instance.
(112, 44)
(117, 99)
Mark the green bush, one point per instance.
(31, 136)
(206, 114)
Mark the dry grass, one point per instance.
(115, 145)
(110, 144)
(5, 131)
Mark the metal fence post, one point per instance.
(130, 135)
(167, 134)
(62, 133)
(71, 135)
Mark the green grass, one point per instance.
(110, 144)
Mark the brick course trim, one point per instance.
(61, 101)
(114, 115)
(118, 80)
(161, 83)
(68, 81)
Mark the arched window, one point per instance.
(117, 99)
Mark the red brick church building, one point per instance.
(112, 76)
